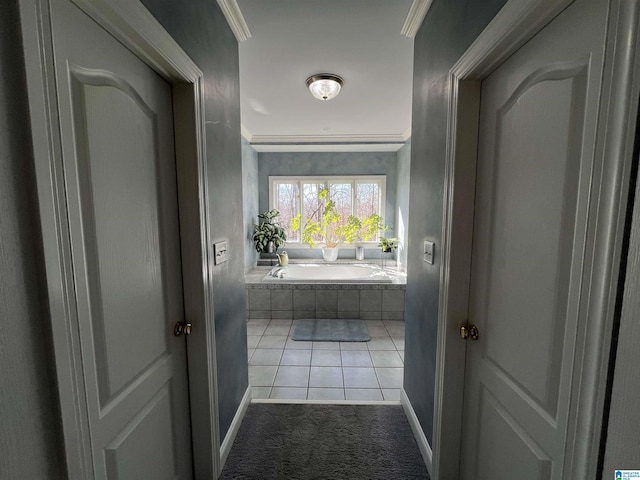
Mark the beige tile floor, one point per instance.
(280, 368)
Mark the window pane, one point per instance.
(352, 195)
(287, 203)
(340, 193)
(367, 199)
(312, 206)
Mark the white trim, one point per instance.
(407, 134)
(325, 402)
(244, 131)
(320, 139)
(514, 25)
(328, 147)
(132, 25)
(415, 17)
(418, 433)
(235, 19)
(616, 137)
(227, 443)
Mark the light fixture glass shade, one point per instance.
(324, 86)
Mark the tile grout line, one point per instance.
(344, 386)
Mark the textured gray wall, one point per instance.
(329, 163)
(447, 31)
(402, 202)
(249, 202)
(30, 430)
(202, 31)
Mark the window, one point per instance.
(353, 195)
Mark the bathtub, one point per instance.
(322, 273)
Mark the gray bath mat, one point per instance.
(330, 330)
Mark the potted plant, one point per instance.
(388, 244)
(326, 228)
(331, 232)
(362, 231)
(268, 235)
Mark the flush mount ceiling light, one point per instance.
(324, 86)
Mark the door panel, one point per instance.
(119, 166)
(535, 154)
(499, 431)
(530, 235)
(147, 436)
(119, 194)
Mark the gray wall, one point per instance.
(402, 202)
(202, 31)
(249, 201)
(330, 163)
(449, 28)
(30, 430)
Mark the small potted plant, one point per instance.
(388, 244)
(268, 235)
(362, 231)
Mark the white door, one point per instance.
(535, 161)
(119, 168)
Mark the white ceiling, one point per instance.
(360, 40)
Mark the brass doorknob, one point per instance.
(472, 332)
(464, 332)
(181, 328)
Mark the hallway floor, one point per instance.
(324, 442)
(281, 368)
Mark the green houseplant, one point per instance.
(388, 244)
(332, 230)
(362, 231)
(326, 228)
(268, 235)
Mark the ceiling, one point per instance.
(282, 42)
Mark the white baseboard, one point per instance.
(325, 402)
(418, 433)
(225, 448)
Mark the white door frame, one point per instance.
(514, 25)
(132, 24)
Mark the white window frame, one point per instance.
(381, 180)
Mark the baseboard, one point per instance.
(325, 402)
(418, 433)
(225, 448)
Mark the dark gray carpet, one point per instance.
(325, 330)
(314, 442)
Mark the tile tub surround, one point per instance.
(291, 301)
(283, 369)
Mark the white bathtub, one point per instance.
(321, 273)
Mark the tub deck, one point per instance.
(320, 273)
(289, 299)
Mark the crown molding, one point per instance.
(244, 131)
(417, 12)
(235, 19)
(319, 139)
(328, 147)
(407, 134)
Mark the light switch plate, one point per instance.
(429, 248)
(219, 253)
